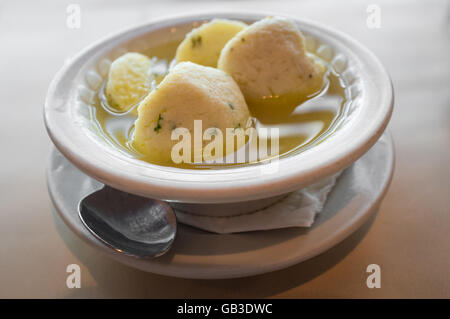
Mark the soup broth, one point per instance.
(301, 127)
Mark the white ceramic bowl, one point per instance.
(68, 122)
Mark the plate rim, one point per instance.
(180, 270)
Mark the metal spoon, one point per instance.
(130, 224)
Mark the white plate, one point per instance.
(68, 119)
(199, 254)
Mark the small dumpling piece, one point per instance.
(269, 62)
(204, 44)
(129, 80)
(189, 92)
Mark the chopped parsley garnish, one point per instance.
(310, 76)
(158, 123)
(230, 105)
(196, 41)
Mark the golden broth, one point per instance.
(300, 128)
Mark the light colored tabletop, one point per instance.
(409, 238)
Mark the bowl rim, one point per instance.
(223, 185)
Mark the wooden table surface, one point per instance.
(409, 237)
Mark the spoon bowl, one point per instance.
(130, 224)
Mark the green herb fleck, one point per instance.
(196, 41)
(230, 105)
(310, 76)
(158, 123)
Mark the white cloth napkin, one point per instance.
(298, 209)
